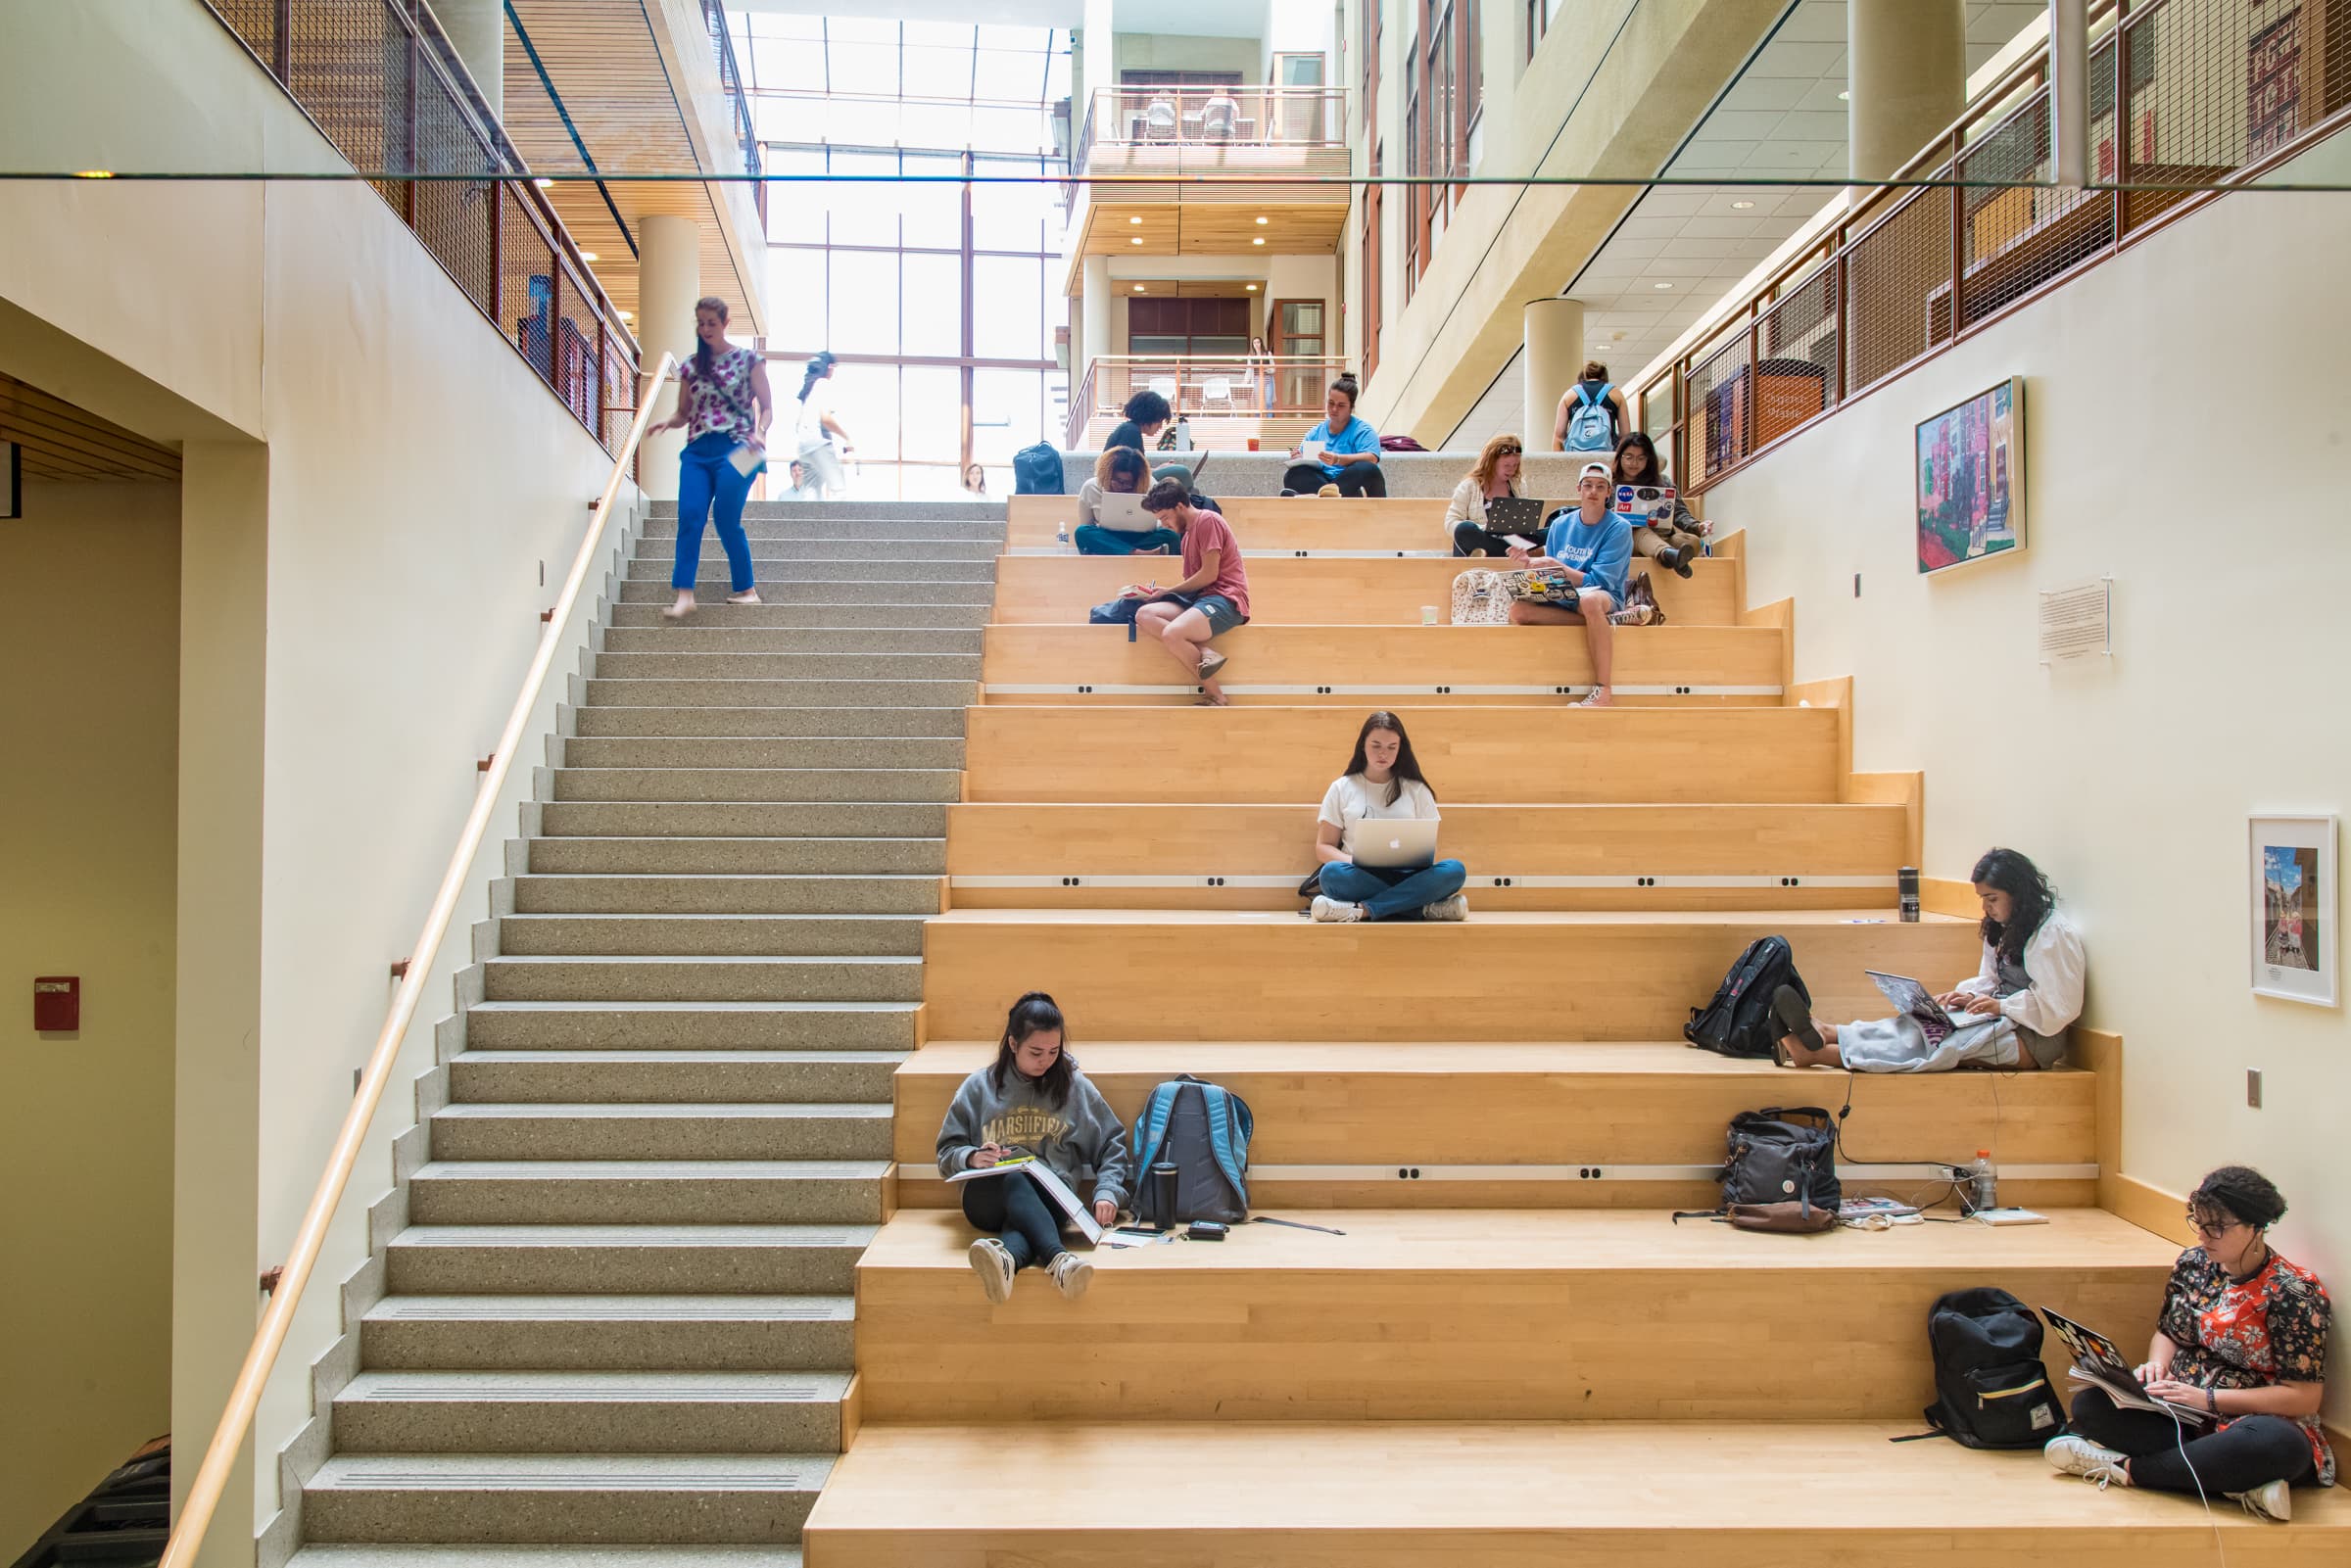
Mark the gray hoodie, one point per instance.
(1082, 1136)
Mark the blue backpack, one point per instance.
(1203, 1130)
(1037, 470)
(1591, 427)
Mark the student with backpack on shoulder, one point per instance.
(1031, 1101)
(1382, 783)
(2013, 1014)
(1591, 416)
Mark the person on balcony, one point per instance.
(1342, 452)
(1260, 365)
(1492, 477)
(724, 406)
(1120, 471)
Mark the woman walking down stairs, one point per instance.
(619, 1314)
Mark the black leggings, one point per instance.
(1012, 1206)
(1355, 479)
(2254, 1451)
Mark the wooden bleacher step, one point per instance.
(1587, 1495)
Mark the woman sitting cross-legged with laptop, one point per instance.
(1369, 872)
(2242, 1340)
(1494, 477)
(2014, 1013)
(1121, 471)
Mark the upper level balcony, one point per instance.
(1229, 402)
(1210, 171)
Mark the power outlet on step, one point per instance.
(2253, 1087)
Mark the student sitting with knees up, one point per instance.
(2014, 1013)
(1341, 453)
(1492, 477)
(1214, 579)
(2243, 1338)
(1673, 541)
(1031, 1101)
(1120, 471)
(1382, 783)
(1593, 545)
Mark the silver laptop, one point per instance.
(1395, 843)
(1937, 1021)
(1123, 512)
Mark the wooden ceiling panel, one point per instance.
(1212, 229)
(61, 440)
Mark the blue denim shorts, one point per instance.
(1223, 613)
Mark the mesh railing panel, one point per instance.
(1720, 402)
(450, 217)
(1795, 366)
(255, 21)
(578, 355)
(1899, 288)
(2017, 232)
(526, 286)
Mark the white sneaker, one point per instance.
(2270, 1501)
(1455, 908)
(1330, 909)
(1071, 1275)
(2074, 1455)
(994, 1266)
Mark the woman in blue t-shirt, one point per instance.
(1341, 450)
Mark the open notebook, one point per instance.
(1075, 1214)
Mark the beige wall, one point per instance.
(90, 699)
(2129, 780)
(1166, 51)
(372, 581)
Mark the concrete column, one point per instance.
(1099, 65)
(1093, 321)
(1906, 74)
(478, 30)
(669, 279)
(1554, 363)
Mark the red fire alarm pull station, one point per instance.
(56, 1003)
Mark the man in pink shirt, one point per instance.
(1214, 580)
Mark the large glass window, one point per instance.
(898, 127)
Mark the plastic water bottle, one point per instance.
(1060, 533)
(1982, 1189)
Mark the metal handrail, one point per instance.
(309, 1238)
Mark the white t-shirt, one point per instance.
(815, 408)
(1349, 799)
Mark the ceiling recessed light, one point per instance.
(1740, 207)
(1138, 288)
(1259, 240)
(543, 184)
(1136, 221)
(1260, 222)
(1138, 240)
(590, 256)
(1252, 288)
(1660, 285)
(627, 316)
(1844, 98)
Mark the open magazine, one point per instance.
(1075, 1214)
(2098, 1364)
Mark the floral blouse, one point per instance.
(722, 401)
(2250, 1333)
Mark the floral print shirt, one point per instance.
(2250, 1333)
(722, 400)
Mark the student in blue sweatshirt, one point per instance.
(1593, 545)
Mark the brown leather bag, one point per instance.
(1793, 1217)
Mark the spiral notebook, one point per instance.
(1075, 1215)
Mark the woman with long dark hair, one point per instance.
(2013, 1014)
(1674, 541)
(1032, 1102)
(1341, 453)
(724, 406)
(2241, 1341)
(1382, 781)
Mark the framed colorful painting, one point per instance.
(1971, 479)
(2294, 905)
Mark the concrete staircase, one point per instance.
(617, 1326)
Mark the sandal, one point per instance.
(1210, 661)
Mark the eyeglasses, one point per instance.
(1508, 452)
(2213, 1231)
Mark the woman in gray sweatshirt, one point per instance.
(1032, 1100)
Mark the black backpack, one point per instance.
(1782, 1169)
(1991, 1389)
(1037, 470)
(1737, 1021)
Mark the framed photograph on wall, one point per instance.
(1971, 479)
(2294, 906)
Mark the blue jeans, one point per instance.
(704, 476)
(1387, 894)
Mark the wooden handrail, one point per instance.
(245, 1396)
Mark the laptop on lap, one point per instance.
(1396, 843)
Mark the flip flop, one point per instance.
(1209, 663)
